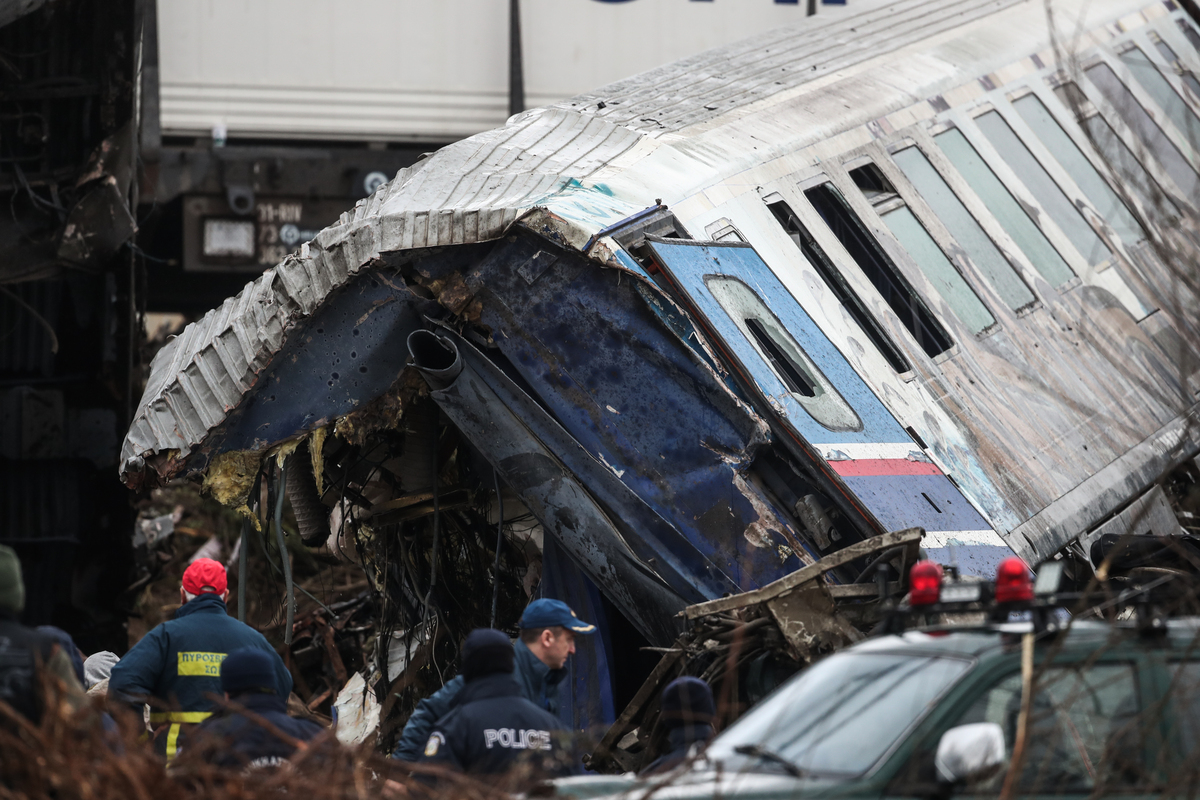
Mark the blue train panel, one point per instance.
(807, 384)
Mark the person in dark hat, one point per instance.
(177, 666)
(494, 726)
(231, 738)
(686, 712)
(547, 640)
(24, 650)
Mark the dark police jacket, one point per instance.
(179, 662)
(22, 651)
(538, 683)
(493, 728)
(238, 741)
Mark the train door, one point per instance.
(784, 358)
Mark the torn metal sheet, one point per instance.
(637, 400)
(546, 487)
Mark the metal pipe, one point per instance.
(436, 531)
(280, 488)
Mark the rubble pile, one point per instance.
(67, 758)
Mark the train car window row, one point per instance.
(1054, 201)
(965, 229)
(922, 248)
(1163, 94)
(837, 284)
(1185, 74)
(1126, 167)
(1145, 129)
(828, 202)
(945, 278)
(1094, 187)
(1013, 218)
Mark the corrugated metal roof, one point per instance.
(711, 84)
(472, 190)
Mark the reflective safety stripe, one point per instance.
(173, 741)
(180, 716)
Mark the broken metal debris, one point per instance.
(692, 442)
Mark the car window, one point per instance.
(1084, 730)
(1184, 702)
(841, 715)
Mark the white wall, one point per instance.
(413, 70)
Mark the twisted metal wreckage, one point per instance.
(509, 371)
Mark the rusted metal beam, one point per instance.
(805, 574)
(618, 729)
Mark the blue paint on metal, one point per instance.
(348, 353)
(977, 560)
(690, 263)
(630, 263)
(931, 502)
(640, 402)
(895, 501)
(636, 526)
(586, 698)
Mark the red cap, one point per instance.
(205, 575)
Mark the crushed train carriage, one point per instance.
(678, 338)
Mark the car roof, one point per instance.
(976, 641)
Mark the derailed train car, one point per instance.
(677, 338)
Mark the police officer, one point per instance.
(548, 629)
(23, 650)
(686, 712)
(494, 727)
(233, 739)
(178, 664)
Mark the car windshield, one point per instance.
(838, 717)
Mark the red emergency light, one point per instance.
(925, 583)
(1014, 584)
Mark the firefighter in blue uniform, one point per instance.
(547, 640)
(493, 727)
(232, 739)
(176, 666)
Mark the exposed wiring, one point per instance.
(38, 317)
(283, 554)
(499, 541)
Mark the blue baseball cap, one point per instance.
(546, 613)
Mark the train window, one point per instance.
(1185, 74)
(1125, 165)
(1042, 186)
(1004, 207)
(1145, 129)
(1145, 73)
(874, 186)
(838, 285)
(879, 269)
(1190, 32)
(953, 288)
(723, 231)
(802, 378)
(950, 210)
(1094, 187)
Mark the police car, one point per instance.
(1105, 708)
